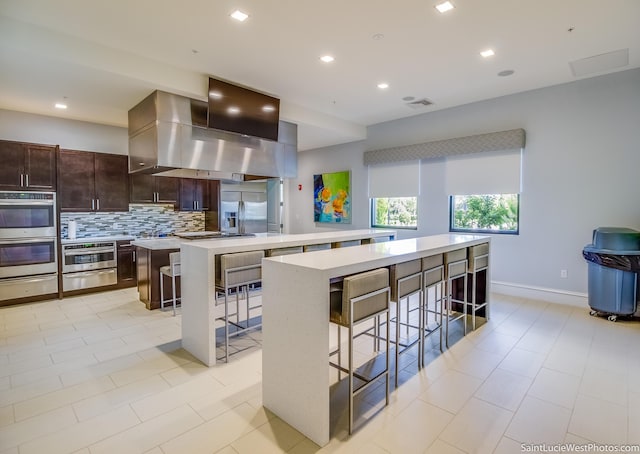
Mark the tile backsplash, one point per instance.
(141, 220)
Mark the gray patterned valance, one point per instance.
(493, 141)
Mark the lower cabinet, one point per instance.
(126, 264)
(148, 263)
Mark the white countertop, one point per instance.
(278, 240)
(339, 262)
(98, 238)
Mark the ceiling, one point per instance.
(102, 58)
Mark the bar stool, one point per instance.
(365, 296)
(171, 270)
(478, 261)
(316, 247)
(284, 251)
(432, 278)
(455, 266)
(406, 281)
(238, 271)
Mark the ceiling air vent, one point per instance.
(419, 104)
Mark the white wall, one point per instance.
(70, 134)
(581, 170)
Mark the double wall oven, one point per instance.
(28, 237)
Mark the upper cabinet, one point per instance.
(93, 181)
(152, 189)
(27, 167)
(195, 195)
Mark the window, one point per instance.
(484, 213)
(396, 212)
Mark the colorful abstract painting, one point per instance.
(332, 197)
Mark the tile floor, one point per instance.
(100, 373)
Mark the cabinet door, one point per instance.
(143, 188)
(126, 264)
(187, 194)
(12, 168)
(204, 194)
(112, 180)
(40, 167)
(168, 190)
(76, 176)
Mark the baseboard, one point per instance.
(540, 293)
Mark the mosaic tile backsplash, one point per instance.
(141, 220)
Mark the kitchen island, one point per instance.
(151, 254)
(198, 277)
(295, 312)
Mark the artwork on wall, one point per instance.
(332, 197)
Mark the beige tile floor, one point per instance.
(100, 373)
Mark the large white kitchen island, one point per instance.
(295, 298)
(198, 277)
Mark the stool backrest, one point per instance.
(405, 279)
(360, 285)
(284, 251)
(174, 263)
(478, 257)
(240, 268)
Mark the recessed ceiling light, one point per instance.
(327, 58)
(487, 53)
(239, 15)
(60, 105)
(383, 85)
(444, 7)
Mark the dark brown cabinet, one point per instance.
(148, 263)
(195, 195)
(152, 189)
(27, 166)
(93, 181)
(126, 264)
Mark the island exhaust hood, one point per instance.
(168, 136)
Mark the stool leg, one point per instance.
(339, 352)
(387, 353)
(173, 285)
(351, 377)
(398, 304)
(161, 291)
(226, 327)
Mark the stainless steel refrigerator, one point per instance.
(243, 208)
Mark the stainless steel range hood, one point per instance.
(168, 136)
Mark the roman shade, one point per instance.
(484, 173)
(397, 179)
(513, 139)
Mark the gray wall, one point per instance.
(581, 169)
(70, 134)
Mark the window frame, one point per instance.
(483, 231)
(372, 201)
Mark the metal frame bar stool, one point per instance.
(455, 268)
(406, 281)
(478, 261)
(432, 277)
(238, 271)
(365, 296)
(171, 270)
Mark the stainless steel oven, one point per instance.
(87, 264)
(27, 214)
(28, 237)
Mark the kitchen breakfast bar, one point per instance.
(198, 271)
(296, 302)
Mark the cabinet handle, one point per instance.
(134, 256)
(26, 177)
(93, 204)
(21, 179)
(97, 204)
(155, 197)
